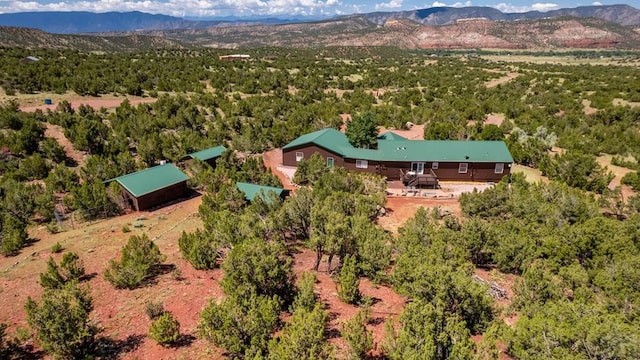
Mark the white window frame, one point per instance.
(499, 169)
(418, 166)
(463, 168)
(362, 164)
(332, 161)
(299, 156)
(434, 165)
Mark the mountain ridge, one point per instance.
(76, 22)
(625, 15)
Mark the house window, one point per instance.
(330, 162)
(362, 164)
(499, 169)
(417, 167)
(462, 168)
(434, 165)
(299, 156)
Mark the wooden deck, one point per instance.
(412, 180)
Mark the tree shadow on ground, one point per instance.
(69, 162)
(184, 341)
(24, 352)
(88, 277)
(108, 348)
(158, 271)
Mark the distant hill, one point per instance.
(78, 22)
(620, 14)
(33, 38)
(555, 33)
(477, 32)
(75, 22)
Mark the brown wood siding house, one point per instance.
(154, 186)
(476, 161)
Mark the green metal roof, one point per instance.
(208, 154)
(327, 138)
(149, 180)
(391, 136)
(401, 149)
(252, 190)
(444, 151)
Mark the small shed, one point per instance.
(30, 59)
(154, 186)
(252, 190)
(207, 155)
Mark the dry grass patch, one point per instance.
(530, 174)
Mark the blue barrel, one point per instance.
(48, 102)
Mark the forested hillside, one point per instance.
(571, 243)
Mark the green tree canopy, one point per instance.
(362, 130)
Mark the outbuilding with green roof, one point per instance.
(209, 155)
(252, 190)
(396, 156)
(154, 186)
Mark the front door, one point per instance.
(417, 167)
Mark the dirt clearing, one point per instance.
(108, 102)
(56, 132)
(503, 80)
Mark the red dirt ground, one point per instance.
(386, 302)
(402, 208)
(272, 159)
(56, 132)
(95, 103)
(184, 291)
(415, 133)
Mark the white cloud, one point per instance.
(509, 8)
(597, 3)
(456, 4)
(393, 4)
(544, 6)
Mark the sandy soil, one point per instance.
(618, 172)
(95, 103)
(531, 174)
(588, 110)
(495, 119)
(56, 132)
(415, 133)
(502, 80)
(399, 209)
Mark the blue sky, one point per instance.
(280, 8)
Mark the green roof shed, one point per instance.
(252, 190)
(208, 155)
(154, 186)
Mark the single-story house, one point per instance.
(209, 155)
(397, 157)
(235, 57)
(252, 190)
(154, 186)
